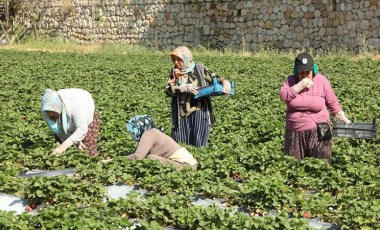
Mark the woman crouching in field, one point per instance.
(156, 145)
(71, 115)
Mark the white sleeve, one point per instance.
(79, 118)
(80, 109)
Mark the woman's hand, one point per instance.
(60, 149)
(304, 83)
(193, 89)
(189, 88)
(81, 146)
(342, 117)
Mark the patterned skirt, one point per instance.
(301, 144)
(90, 140)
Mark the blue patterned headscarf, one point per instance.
(138, 124)
(52, 102)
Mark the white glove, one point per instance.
(304, 83)
(342, 117)
(60, 149)
(188, 88)
(226, 87)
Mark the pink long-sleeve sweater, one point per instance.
(308, 107)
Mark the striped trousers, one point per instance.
(194, 129)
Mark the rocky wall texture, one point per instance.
(248, 25)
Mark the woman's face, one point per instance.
(178, 62)
(53, 115)
(305, 74)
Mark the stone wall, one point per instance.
(248, 25)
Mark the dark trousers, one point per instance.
(194, 129)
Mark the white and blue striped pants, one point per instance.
(194, 129)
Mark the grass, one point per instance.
(54, 45)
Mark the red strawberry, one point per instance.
(28, 208)
(307, 215)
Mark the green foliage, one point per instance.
(246, 140)
(63, 189)
(68, 216)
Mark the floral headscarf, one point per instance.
(185, 54)
(138, 124)
(52, 102)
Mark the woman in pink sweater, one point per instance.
(308, 96)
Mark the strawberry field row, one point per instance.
(246, 141)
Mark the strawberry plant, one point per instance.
(246, 143)
(63, 189)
